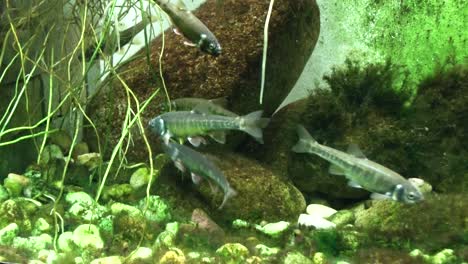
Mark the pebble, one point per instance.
(320, 210)
(313, 221)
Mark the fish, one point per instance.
(200, 167)
(193, 125)
(188, 25)
(209, 106)
(361, 172)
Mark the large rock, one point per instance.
(293, 32)
(262, 195)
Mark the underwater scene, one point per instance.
(234, 131)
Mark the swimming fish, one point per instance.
(199, 166)
(361, 172)
(207, 106)
(190, 26)
(192, 125)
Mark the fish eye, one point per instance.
(411, 196)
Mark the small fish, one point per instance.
(193, 125)
(362, 173)
(190, 26)
(207, 106)
(199, 166)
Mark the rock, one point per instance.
(166, 239)
(293, 32)
(84, 207)
(262, 195)
(120, 208)
(40, 226)
(445, 256)
(15, 184)
(206, 225)
(274, 230)
(90, 160)
(140, 178)
(239, 223)
(320, 210)
(319, 258)
(342, 218)
(173, 256)
(3, 194)
(396, 222)
(108, 260)
(296, 257)
(158, 210)
(117, 192)
(33, 244)
(14, 211)
(88, 237)
(254, 260)
(265, 251)
(233, 253)
(141, 255)
(423, 186)
(8, 233)
(65, 242)
(317, 222)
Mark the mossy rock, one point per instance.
(262, 195)
(235, 74)
(438, 222)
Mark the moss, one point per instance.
(438, 222)
(381, 255)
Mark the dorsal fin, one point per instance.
(354, 150)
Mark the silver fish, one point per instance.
(361, 172)
(199, 166)
(190, 26)
(192, 125)
(207, 106)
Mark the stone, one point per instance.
(90, 160)
(295, 257)
(274, 230)
(319, 258)
(117, 192)
(166, 239)
(342, 218)
(140, 178)
(33, 244)
(119, 208)
(65, 242)
(40, 226)
(423, 186)
(87, 236)
(8, 233)
(233, 253)
(320, 210)
(3, 194)
(313, 221)
(158, 210)
(206, 225)
(141, 255)
(108, 260)
(265, 251)
(173, 256)
(15, 184)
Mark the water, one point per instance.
(82, 179)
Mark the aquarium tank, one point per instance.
(233, 131)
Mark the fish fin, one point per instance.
(335, 170)
(304, 138)
(354, 150)
(379, 196)
(221, 101)
(354, 184)
(179, 165)
(196, 178)
(166, 138)
(190, 44)
(218, 136)
(196, 141)
(230, 193)
(201, 109)
(253, 124)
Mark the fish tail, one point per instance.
(253, 124)
(304, 140)
(230, 193)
